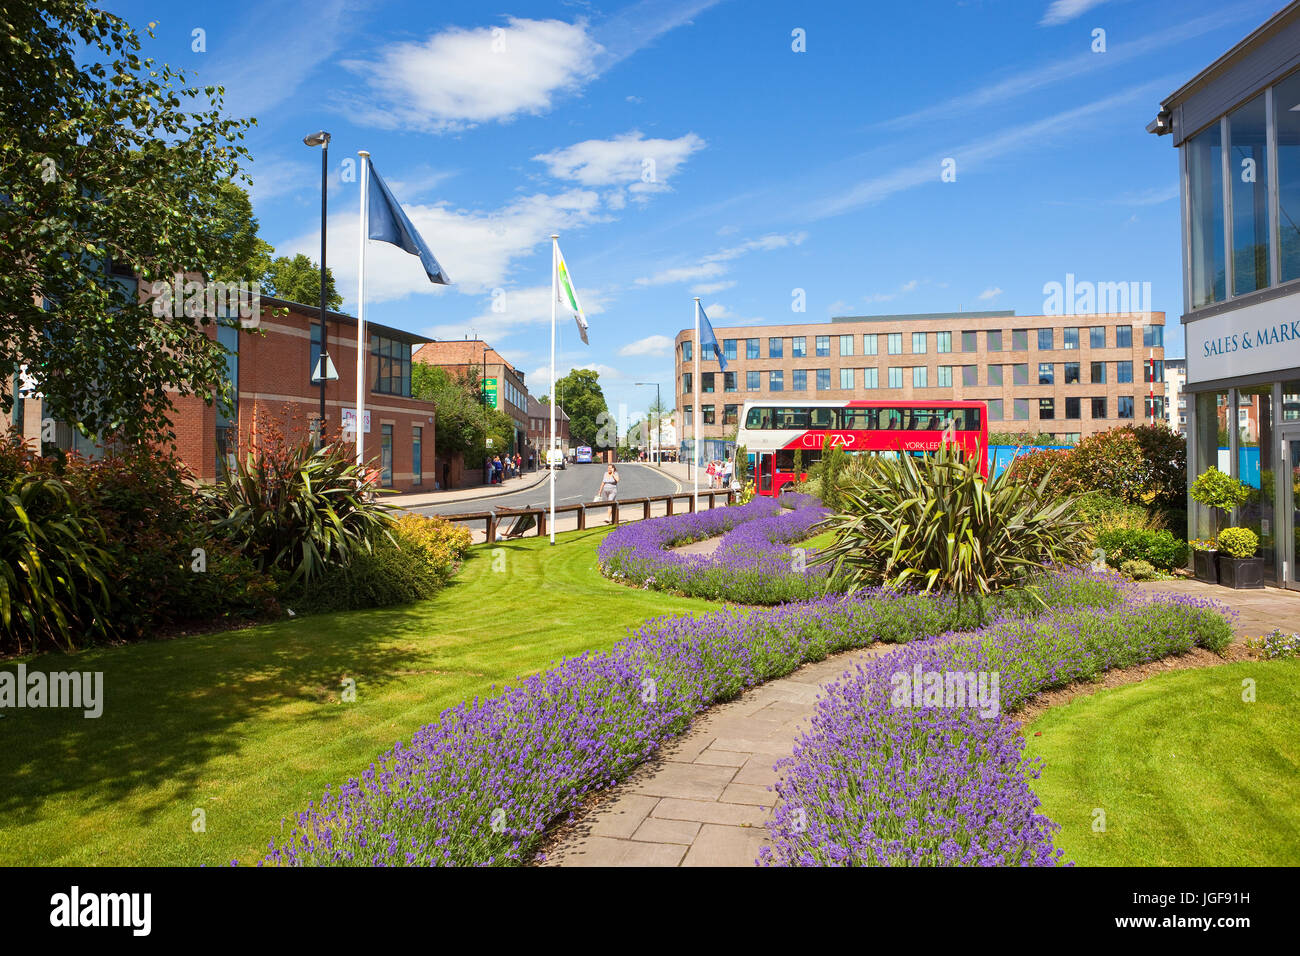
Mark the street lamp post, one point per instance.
(659, 424)
(322, 139)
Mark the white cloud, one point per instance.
(650, 345)
(461, 77)
(1063, 11)
(519, 308)
(990, 293)
(711, 266)
(713, 288)
(539, 379)
(705, 270)
(642, 165)
(905, 288)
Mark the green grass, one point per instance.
(248, 725)
(1187, 773)
(819, 541)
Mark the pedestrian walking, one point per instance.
(608, 490)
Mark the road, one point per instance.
(574, 484)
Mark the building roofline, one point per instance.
(1238, 50)
(313, 311)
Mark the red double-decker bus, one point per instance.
(772, 431)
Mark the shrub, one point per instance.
(1144, 464)
(933, 522)
(1164, 465)
(1218, 491)
(1138, 570)
(1101, 511)
(441, 544)
(290, 508)
(54, 573)
(1159, 548)
(1238, 542)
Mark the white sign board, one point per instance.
(1264, 337)
(350, 421)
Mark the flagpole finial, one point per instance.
(363, 152)
(697, 298)
(555, 235)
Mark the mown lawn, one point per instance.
(249, 725)
(1187, 773)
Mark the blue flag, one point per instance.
(388, 223)
(709, 341)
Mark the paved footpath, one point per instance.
(704, 801)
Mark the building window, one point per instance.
(823, 345)
(895, 377)
(417, 464)
(1153, 370)
(1098, 373)
(686, 351)
(752, 381)
(823, 379)
(1071, 373)
(688, 415)
(1045, 340)
(799, 380)
(798, 346)
(1097, 337)
(1099, 408)
(1072, 409)
(1123, 372)
(706, 415)
(1070, 338)
(1123, 336)
(706, 381)
(995, 341)
(1286, 121)
(846, 345)
(1153, 336)
(390, 366)
(1020, 409)
(970, 376)
(1020, 375)
(729, 382)
(1020, 340)
(686, 384)
(386, 456)
(895, 343)
(729, 349)
(995, 374)
(943, 377)
(869, 343)
(751, 349)
(995, 409)
(730, 414)
(870, 378)
(775, 348)
(1046, 408)
(919, 376)
(1205, 192)
(918, 343)
(943, 341)
(1154, 407)
(1125, 405)
(1046, 374)
(776, 380)
(1248, 168)
(846, 378)
(969, 342)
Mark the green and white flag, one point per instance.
(567, 296)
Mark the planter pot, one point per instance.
(1205, 566)
(1241, 572)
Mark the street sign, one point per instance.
(350, 421)
(490, 391)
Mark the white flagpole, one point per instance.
(695, 412)
(360, 421)
(555, 254)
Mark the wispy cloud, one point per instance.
(990, 293)
(714, 264)
(1063, 11)
(650, 345)
(641, 165)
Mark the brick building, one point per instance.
(1067, 375)
(539, 427)
(271, 370)
(505, 388)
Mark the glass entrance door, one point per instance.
(1291, 512)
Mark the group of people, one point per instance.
(502, 468)
(719, 472)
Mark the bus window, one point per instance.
(821, 417)
(858, 419)
(891, 418)
(792, 418)
(759, 418)
(785, 459)
(933, 424)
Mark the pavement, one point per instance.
(705, 800)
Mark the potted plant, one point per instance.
(1218, 492)
(1238, 566)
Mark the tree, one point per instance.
(298, 280)
(590, 423)
(464, 422)
(246, 256)
(106, 177)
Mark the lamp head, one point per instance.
(317, 139)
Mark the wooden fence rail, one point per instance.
(493, 519)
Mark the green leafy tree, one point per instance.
(464, 421)
(113, 167)
(246, 256)
(298, 280)
(580, 396)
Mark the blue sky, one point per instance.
(773, 170)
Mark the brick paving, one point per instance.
(705, 801)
